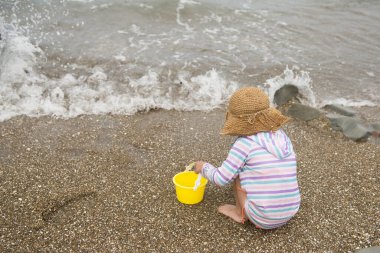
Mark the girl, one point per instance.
(261, 163)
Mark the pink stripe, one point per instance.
(269, 172)
(273, 192)
(233, 165)
(226, 173)
(257, 149)
(284, 205)
(280, 215)
(264, 157)
(274, 215)
(235, 161)
(240, 151)
(266, 221)
(272, 163)
(289, 175)
(221, 175)
(242, 146)
(269, 202)
(274, 187)
(275, 161)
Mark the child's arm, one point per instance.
(230, 168)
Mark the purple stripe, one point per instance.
(221, 175)
(272, 139)
(282, 205)
(286, 142)
(262, 142)
(256, 142)
(272, 192)
(257, 149)
(250, 138)
(232, 164)
(239, 151)
(269, 177)
(275, 225)
(269, 226)
(269, 162)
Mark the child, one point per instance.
(261, 163)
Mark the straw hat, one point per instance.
(249, 113)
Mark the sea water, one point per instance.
(71, 57)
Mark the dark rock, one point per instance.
(341, 110)
(351, 127)
(375, 126)
(285, 94)
(375, 130)
(374, 249)
(303, 112)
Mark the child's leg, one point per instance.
(240, 197)
(235, 211)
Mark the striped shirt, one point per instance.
(266, 165)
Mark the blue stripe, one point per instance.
(263, 142)
(237, 155)
(233, 171)
(265, 225)
(257, 154)
(247, 144)
(277, 151)
(278, 210)
(269, 181)
(266, 136)
(274, 165)
(221, 175)
(219, 180)
(273, 196)
(258, 141)
(267, 218)
(211, 175)
(229, 168)
(248, 169)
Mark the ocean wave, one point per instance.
(292, 76)
(23, 91)
(348, 102)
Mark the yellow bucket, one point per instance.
(184, 187)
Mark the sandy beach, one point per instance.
(104, 184)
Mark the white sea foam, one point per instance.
(120, 57)
(300, 79)
(17, 58)
(81, 1)
(25, 92)
(348, 102)
(303, 82)
(19, 83)
(180, 7)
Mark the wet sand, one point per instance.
(104, 184)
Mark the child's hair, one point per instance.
(249, 112)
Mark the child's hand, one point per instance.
(198, 167)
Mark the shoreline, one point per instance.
(103, 183)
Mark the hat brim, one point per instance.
(271, 120)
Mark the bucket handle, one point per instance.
(190, 166)
(198, 181)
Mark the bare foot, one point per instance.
(231, 211)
